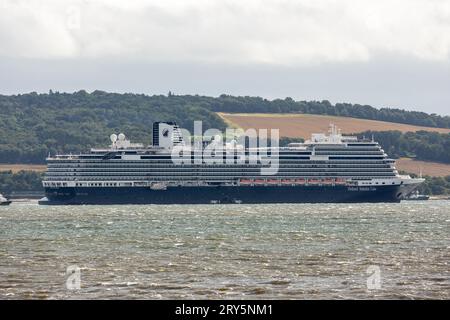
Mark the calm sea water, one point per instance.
(227, 251)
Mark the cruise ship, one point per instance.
(328, 168)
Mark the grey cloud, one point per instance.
(385, 53)
(408, 84)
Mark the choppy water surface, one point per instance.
(226, 251)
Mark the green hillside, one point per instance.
(32, 125)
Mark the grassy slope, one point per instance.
(428, 168)
(302, 125)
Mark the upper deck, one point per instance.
(330, 145)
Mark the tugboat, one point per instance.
(4, 201)
(417, 196)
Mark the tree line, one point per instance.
(435, 186)
(33, 125)
(227, 103)
(20, 181)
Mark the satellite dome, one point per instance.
(113, 137)
(121, 136)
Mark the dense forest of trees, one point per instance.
(33, 125)
(435, 186)
(20, 181)
(422, 145)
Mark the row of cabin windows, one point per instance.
(142, 162)
(232, 171)
(231, 174)
(206, 174)
(171, 165)
(225, 170)
(382, 183)
(215, 168)
(115, 184)
(96, 184)
(169, 160)
(162, 178)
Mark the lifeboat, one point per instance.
(245, 182)
(300, 181)
(158, 186)
(340, 181)
(259, 181)
(273, 181)
(314, 181)
(287, 181)
(4, 201)
(328, 181)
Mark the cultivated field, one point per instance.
(302, 125)
(19, 167)
(428, 168)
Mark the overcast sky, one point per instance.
(387, 53)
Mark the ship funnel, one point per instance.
(166, 135)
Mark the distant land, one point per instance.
(303, 125)
(33, 125)
(427, 168)
(14, 168)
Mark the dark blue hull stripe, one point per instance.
(222, 194)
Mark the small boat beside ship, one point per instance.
(4, 201)
(415, 195)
